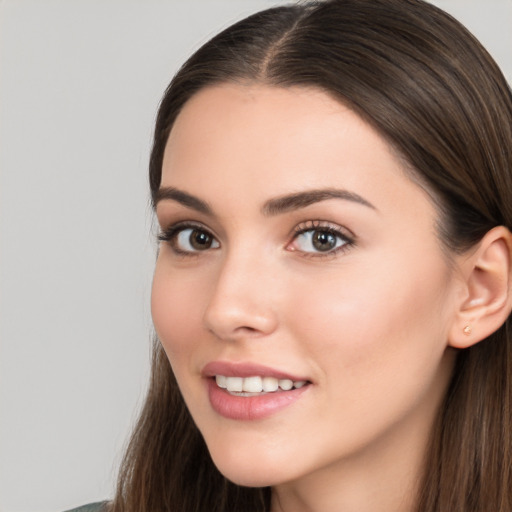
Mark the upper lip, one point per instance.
(231, 369)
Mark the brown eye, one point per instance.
(200, 240)
(194, 240)
(320, 240)
(323, 241)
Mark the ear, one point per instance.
(486, 301)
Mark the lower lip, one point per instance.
(251, 407)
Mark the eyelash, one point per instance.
(344, 235)
(170, 235)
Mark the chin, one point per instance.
(244, 471)
(249, 477)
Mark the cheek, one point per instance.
(379, 350)
(175, 308)
(379, 327)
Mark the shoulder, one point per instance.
(101, 506)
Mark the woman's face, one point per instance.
(297, 252)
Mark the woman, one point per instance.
(332, 291)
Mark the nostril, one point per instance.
(246, 328)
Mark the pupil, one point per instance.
(200, 240)
(324, 241)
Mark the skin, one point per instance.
(367, 325)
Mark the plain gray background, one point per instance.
(80, 83)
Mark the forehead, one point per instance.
(245, 137)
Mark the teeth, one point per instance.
(221, 381)
(270, 384)
(286, 384)
(256, 384)
(235, 384)
(252, 385)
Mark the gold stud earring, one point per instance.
(467, 330)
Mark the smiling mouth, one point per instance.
(256, 386)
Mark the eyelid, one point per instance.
(166, 233)
(323, 224)
(169, 235)
(319, 225)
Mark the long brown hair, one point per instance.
(427, 85)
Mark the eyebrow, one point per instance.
(188, 200)
(271, 207)
(302, 199)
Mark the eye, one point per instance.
(186, 239)
(189, 240)
(318, 239)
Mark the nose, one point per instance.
(242, 303)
